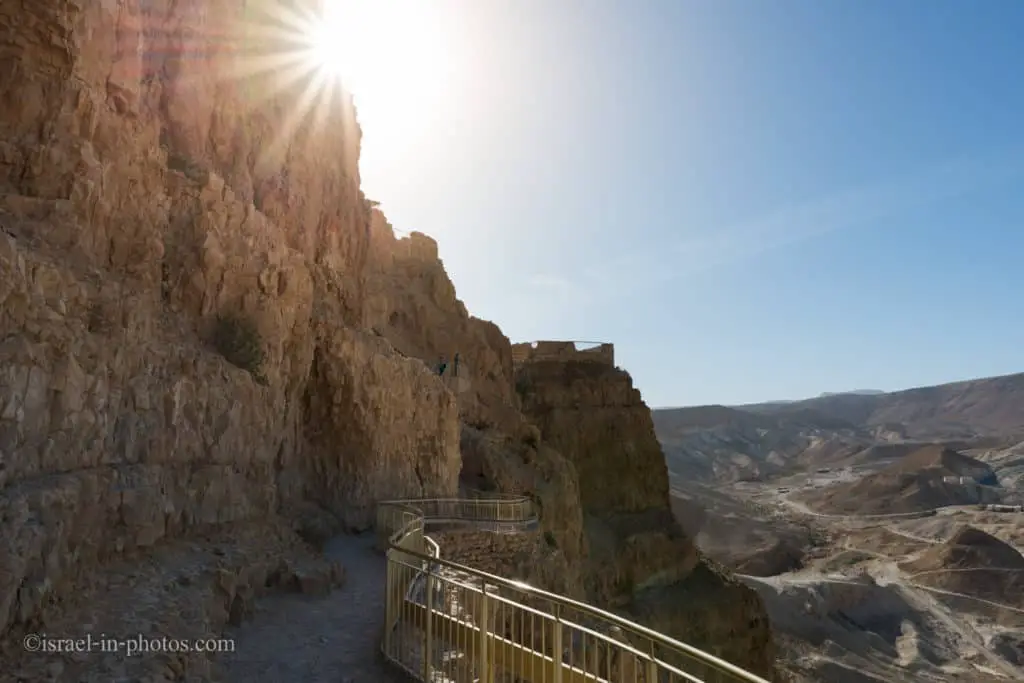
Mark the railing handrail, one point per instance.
(485, 497)
(410, 505)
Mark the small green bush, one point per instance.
(549, 538)
(237, 339)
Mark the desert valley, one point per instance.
(883, 531)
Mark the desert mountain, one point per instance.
(716, 443)
(914, 483)
(720, 443)
(992, 406)
(859, 392)
(745, 478)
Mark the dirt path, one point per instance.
(334, 639)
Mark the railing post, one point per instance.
(428, 631)
(485, 633)
(652, 664)
(556, 644)
(389, 601)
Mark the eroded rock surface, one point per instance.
(639, 560)
(144, 193)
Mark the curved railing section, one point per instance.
(447, 622)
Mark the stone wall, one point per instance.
(531, 557)
(563, 351)
(486, 551)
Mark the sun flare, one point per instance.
(390, 54)
(404, 62)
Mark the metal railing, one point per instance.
(447, 622)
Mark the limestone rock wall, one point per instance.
(499, 462)
(149, 183)
(638, 559)
(595, 417)
(411, 301)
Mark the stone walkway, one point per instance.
(333, 639)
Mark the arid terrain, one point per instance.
(882, 531)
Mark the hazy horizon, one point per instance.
(821, 394)
(752, 201)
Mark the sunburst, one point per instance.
(392, 56)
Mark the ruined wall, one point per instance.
(638, 559)
(499, 554)
(563, 351)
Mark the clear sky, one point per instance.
(753, 200)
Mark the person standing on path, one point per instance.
(442, 366)
(455, 365)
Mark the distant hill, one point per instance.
(974, 563)
(913, 483)
(858, 392)
(725, 443)
(718, 443)
(981, 407)
(969, 548)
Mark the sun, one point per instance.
(339, 39)
(388, 53)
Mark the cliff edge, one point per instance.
(639, 560)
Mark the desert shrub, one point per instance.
(237, 339)
(190, 169)
(549, 538)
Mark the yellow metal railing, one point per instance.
(447, 622)
(398, 518)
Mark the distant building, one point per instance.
(980, 478)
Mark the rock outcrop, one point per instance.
(639, 560)
(205, 326)
(411, 301)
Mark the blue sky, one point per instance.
(753, 200)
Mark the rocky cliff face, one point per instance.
(205, 327)
(639, 559)
(411, 301)
(144, 195)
